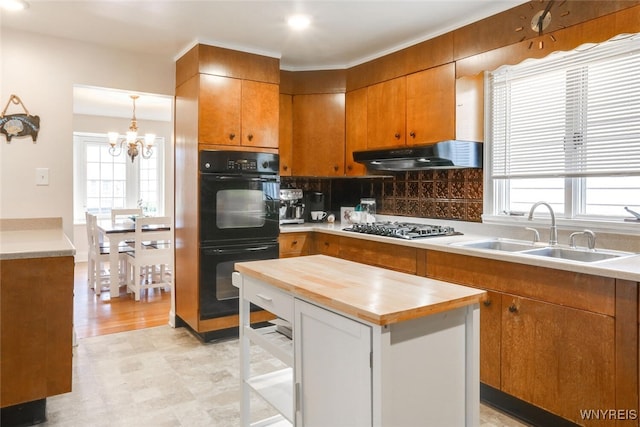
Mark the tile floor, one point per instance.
(165, 377)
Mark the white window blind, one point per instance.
(572, 114)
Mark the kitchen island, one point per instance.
(36, 317)
(370, 346)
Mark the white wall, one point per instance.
(42, 72)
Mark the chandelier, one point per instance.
(132, 140)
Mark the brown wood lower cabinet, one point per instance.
(558, 358)
(325, 244)
(562, 341)
(490, 339)
(294, 244)
(36, 319)
(386, 255)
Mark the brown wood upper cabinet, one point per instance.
(470, 108)
(285, 143)
(412, 110)
(319, 134)
(431, 105)
(386, 106)
(356, 130)
(238, 112)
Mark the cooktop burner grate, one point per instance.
(403, 230)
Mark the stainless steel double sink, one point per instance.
(558, 252)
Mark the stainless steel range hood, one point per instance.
(453, 154)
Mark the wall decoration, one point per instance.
(18, 124)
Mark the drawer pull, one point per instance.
(487, 303)
(513, 308)
(264, 297)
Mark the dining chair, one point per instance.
(151, 261)
(98, 255)
(119, 214)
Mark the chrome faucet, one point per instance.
(553, 231)
(591, 239)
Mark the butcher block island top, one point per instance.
(374, 294)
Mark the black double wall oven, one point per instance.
(239, 221)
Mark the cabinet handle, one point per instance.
(285, 167)
(295, 242)
(265, 298)
(487, 303)
(250, 137)
(513, 308)
(336, 167)
(349, 167)
(397, 135)
(413, 135)
(232, 135)
(326, 243)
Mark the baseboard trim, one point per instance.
(520, 409)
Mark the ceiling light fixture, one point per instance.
(132, 140)
(299, 22)
(14, 4)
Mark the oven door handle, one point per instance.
(244, 178)
(237, 251)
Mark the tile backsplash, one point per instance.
(454, 194)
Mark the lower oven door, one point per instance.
(218, 296)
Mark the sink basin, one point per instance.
(576, 254)
(499, 245)
(527, 248)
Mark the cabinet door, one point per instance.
(219, 115)
(431, 105)
(285, 137)
(260, 115)
(332, 368)
(558, 358)
(318, 135)
(326, 244)
(386, 103)
(470, 108)
(293, 244)
(356, 137)
(385, 255)
(490, 339)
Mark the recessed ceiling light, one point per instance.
(14, 4)
(299, 22)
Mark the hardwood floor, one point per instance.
(96, 315)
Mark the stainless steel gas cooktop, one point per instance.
(403, 230)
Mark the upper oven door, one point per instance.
(236, 208)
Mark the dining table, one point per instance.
(117, 233)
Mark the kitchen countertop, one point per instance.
(29, 240)
(626, 268)
(374, 294)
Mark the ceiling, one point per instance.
(343, 33)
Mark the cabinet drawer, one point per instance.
(293, 244)
(269, 298)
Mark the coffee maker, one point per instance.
(314, 202)
(291, 206)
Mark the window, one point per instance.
(566, 129)
(103, 182)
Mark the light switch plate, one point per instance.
(42, 176)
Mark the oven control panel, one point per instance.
(238, 162)
(242, 165)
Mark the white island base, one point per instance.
(377, 348)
